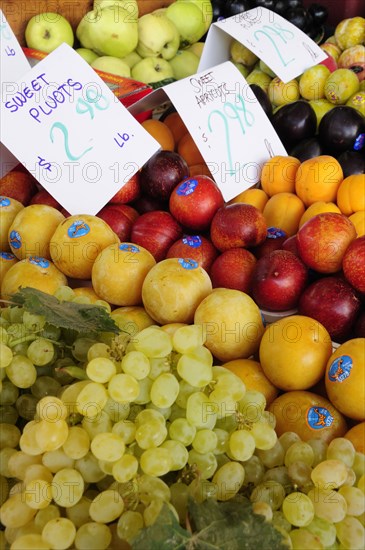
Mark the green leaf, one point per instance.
(231, 525)
(165, 534)
(87, 318)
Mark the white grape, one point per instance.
(107, 446)
(59, 533)
(228, 480)
(329, 473)
(164, 390)
(153, 342)
(107, 506)
(136, 364)
(101, 369)
(298, 509)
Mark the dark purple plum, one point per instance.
(306, 149)
(294, 122)
(262, 98)
(161, 173)
(352, 162)
(342, 129)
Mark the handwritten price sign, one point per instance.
(13, 65)
(68, 128)
(287, 50)
(226, 122)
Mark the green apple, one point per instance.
(260, 78)
(152, 69)
(132, 58)
(184, 64)
(196, 48)
(46, 31)
(87, 54)
(108, 31)
(157, 36)
(112, 65)
(207, 9)
(240, 54)
(83, 28)
(131, 6)
(189, 21)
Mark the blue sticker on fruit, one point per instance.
(359, 142)
(319, 418)
(4, 201)
(192, 240)
(188, 263)
(340, 368)
(126, 247)
(275, 233)
(187, 187)
(37, 260)
(15, 239)
(78, 229)
(7, 256)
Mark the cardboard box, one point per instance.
(18, 12)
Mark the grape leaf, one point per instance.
(230, 525)
(86, 318)
(165, 534)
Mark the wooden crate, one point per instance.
(18, 12)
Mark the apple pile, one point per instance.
(114, 38)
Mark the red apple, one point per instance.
(233, 269)
(275, 238)
(120, 217)
(353, 264)
(278, 280)
(323, 240)
(195, 247)
(334, 303)
(43, 197)
(130, 191)
(156, 231)
(237, 225)
(195, 201)
(291, 244)
(162, 173)
(19, 185)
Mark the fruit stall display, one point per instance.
(179, 371)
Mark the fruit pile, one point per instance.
(139, 419)
(176, 360)
(113, 37)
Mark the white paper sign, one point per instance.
(69, 130)
(13, 64)
(287, 50)
(228, 124)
